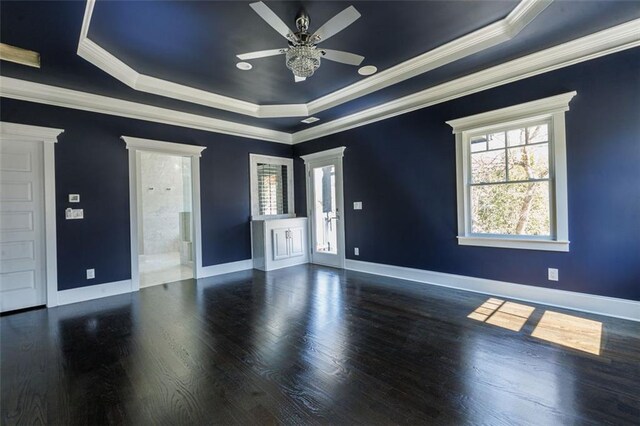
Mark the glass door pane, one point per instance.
(325, 210)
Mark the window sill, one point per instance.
(274, 216)
(514, 243)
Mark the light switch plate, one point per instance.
(74, 198)
(553, 274)
(357, 205)
(91, 274)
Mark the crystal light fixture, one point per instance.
(303, 60)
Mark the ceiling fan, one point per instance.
(302, 54)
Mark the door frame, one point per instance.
(48, 137)
(313, 160)
(137, 145)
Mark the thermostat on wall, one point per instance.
(74, 198)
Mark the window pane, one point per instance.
(529, 162)
(478, 143)
(496, 140)
(516, 137)
(511, 209)
(488, 167)
(272, 189)
(537, 134)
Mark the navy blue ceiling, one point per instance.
(195, 43)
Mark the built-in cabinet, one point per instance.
(278, 243)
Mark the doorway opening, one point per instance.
(165, 222)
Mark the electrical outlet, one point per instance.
(357, 205)
(356, 251)
(553, 274)
(91, 274)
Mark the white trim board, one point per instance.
(609, 306)
(48, 136)
(474, 42)
(226, 268)
(58, 96)
(81, 294)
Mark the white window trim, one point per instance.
(551, 109)
(254, 160)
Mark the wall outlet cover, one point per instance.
(553, 274)
(356, 251)
(74, 198)
(357, 205)
(91, 274)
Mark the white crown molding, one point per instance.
(545, 106)
(68, 98)
(162, 146)
(469, 44)
(612, 40)
(602, 305)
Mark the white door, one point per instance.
(324, 186)
(22, 233)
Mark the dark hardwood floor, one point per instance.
(307, 345)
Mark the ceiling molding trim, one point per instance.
(469, 44)
(67, 98)
(612, 40)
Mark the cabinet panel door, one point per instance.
(297, 241)
(280, 244)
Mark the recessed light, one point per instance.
(310, 120)
(244, 66)
(367, 70)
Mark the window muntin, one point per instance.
(510, 181)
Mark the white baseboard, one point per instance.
(225, 268)
(97, 291)
(609, 306)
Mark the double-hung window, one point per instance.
(512, 179)
(271, 186)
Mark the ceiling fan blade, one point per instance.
(260, 54)
(336, 24)
(272, 19)
(299, 79)
(343, 57)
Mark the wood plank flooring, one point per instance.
(309, 345)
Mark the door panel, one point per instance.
(297, 241)
(22, 233)
(280, 244)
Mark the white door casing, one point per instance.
(332, 157)
(136, 145)
(28, 263)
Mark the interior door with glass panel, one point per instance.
(325, 210)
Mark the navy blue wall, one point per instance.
(403, 170)
(91, 160)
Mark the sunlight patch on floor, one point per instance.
(567, 330)
(509, 315)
